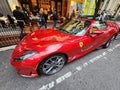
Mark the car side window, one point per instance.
(95, 26)
(103, 25)
(92, 29)
(72, 24)
(100, 25)
(82, 27)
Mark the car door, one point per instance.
(85, 43)
(90, 41)
(81, 46)
(101, 35)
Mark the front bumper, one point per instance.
(25, 69)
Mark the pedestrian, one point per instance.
(34, 21)
(3, 20)
(20, 17)
(77, 15)
(103, 16)
(54, 14)
(46, 17)
(26, 15)
(35, 10)
(72, 14)
(11, 21)
(41, 19)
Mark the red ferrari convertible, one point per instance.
(47, 51)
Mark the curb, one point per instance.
(7, 48)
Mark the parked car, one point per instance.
(46, 51)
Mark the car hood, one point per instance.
(46, 37)
(43, 38)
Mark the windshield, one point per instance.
(75, 27)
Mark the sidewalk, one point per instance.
(7, 48)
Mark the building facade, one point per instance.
(111, 6)
(5, 7)
(63, 7)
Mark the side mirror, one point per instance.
(97, 32)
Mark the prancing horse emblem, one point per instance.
(81, 44)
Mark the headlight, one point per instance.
(25, 56)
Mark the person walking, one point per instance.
(72, 14)
(54, 14)
(103, 16)
(77, 15)
(3, 20)
(46, 17)
(20, 17)
(41, 19)
(11, 21)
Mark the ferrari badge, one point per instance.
(81, 44)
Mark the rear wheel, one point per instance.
(52, 64)
(108, 43)
(114, 37)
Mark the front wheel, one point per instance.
(52, 64)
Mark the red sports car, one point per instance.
(47, 51)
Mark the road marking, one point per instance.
(85, 64)
(58, 80)
(104, 53)
(77, 69)
(48, 86)
(118, 45)
(95, 59)
(62, 78)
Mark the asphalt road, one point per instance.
(98, 70)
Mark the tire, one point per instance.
(113, 37)
(52, 64)
(108, 43)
